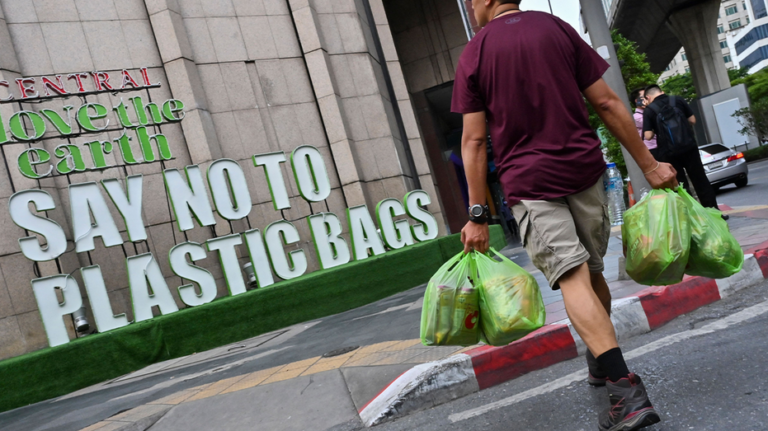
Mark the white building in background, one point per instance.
(735, 19)
(750, 46)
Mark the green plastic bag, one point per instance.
(715, 253)
(451, 312)
(657, 239)
(510, 300)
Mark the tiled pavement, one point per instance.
(749, 226)
(386, 353)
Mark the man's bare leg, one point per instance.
(586, 311)
(603, 292)
(597, 374)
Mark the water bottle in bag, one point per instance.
(614, 189)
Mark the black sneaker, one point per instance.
(726, 217)
(630, 407)
(596, 377)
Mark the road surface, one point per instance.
(756, 193)
(710, 376)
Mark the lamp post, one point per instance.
(597, 25)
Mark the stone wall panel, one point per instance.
(31, 49)
(227, 39)
(258, 37)
(11, 339)
(67, 46)
(218, 8)
(128, 9)
(249, 7)
(253, 135)
(19, 11)
(238, 86)
(96, 10)
(6, 307)
(276, 7)
(107, 45)
(200, 40)
(18, 272)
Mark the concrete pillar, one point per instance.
(696, 28)
(594, 18)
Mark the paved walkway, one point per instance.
(317, 391)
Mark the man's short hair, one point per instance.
(517, 2)
(652, 90)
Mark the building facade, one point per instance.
(733, 19)
(750, 46)
(359, 89)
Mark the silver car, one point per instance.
(724, 166)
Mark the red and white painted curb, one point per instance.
(435, 383)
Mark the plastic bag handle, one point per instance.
(497, 253)
(475, 255)
(456, 261)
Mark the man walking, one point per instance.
(638, 98)
(525, 76)
(670, 120)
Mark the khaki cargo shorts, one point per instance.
(561, 234)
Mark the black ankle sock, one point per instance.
(613, 362)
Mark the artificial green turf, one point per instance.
(56, 371)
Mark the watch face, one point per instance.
(476, 211)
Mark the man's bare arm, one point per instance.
(619, 122)
(692, 120)
(648, 135)
(475, 157)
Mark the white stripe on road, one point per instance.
(734, 319)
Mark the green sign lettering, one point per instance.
(64, 127)
(32, 157)
(141, 111)
(145, 141)
(122, 115)
(71, 160)
(19, 129)
(99, 149)
(125, 148)
(170, 107)
(3, 134)
(85, 117)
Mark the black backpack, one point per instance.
(675, 135)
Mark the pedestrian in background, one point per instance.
(525, 76)
(671, 120)
(640, 102)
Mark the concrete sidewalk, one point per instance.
(293, 379)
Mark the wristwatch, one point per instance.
(479, 214)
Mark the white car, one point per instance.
(724, 166)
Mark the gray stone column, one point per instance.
(696, 28)
(184, 79)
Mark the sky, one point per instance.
(568, 10)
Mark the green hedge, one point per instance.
(758, 153)
(60, 370)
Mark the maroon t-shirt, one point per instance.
(527, 71)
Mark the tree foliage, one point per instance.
(637, 74)
(635, 68)
(682, 85)
(754, 120)
(757, 84)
